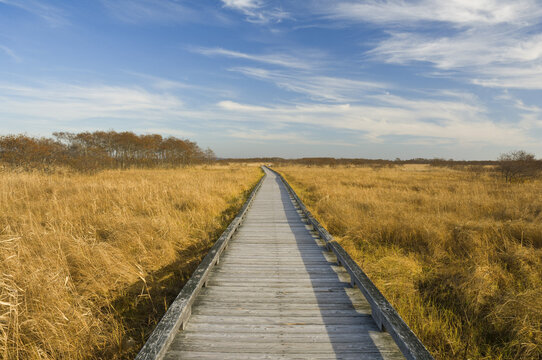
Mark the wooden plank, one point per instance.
(273, 267)
(240, 347)
(261, 277)
(293, 254)
(279, 262)
(203, 355)
(258, 272)
(262, 337)
(341, 280)
(282, 301)
(214, 287)
(277, 311)
(368, 328)
(285, 286)
(283, 306)
(276, 250)
(322, 292)
(259, 248)
(356, 319)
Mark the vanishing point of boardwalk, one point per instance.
(278, 293)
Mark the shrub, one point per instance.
(518, 166)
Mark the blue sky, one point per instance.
(378, 79)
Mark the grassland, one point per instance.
(457, 252)
(88, 263)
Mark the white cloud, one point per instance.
(492, 43)
(51, 14)
(316, 87)
(148, 11)
(10, 53)
(234, 106)
(530, 116)
(165, 131)
(487, 58)
(466, 50)
(70, 103)
(450, 119)
(257, 11)
(243, 4)
(286, 137)
(162, 83)
(172, 85)
(527, 77)
(457, 12)
(283, 60)
(435, 121)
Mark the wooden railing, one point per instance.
(179, 311)
(385, 316)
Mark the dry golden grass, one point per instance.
(458, 253)
(87, 262)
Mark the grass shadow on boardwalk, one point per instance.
(350, 327)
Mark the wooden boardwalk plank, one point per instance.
(260, 355)
(278, 293)
(239, 346)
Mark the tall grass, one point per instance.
(88, 262)
(458, 253)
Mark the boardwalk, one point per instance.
(277, 293)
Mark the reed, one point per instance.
(88, 263)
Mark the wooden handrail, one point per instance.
(385, 316)
(179, 311)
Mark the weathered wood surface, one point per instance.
(278, 293)
(385, 316)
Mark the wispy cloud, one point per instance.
(492, 43)
(165, 131)
(10, 53)
(457, 12)
(257, 11)
(316, 87)
(527, 77)
(53, 15)
(472, 49)
(70, 103)
(530, 116)
(435, 121)
(283, 60)
(489, 58)
(258, 136)
(148, 11)
(235, 106)
(446, 120)
(174, 86)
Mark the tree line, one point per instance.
(514, 166)
(100, 150)
(330, 161)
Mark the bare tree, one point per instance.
(518, 165)
(87, 151)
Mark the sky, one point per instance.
(385, 79)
